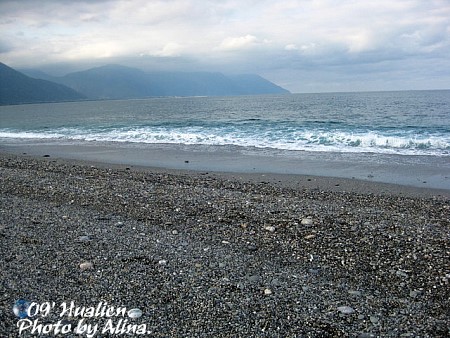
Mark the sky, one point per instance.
(301, 45)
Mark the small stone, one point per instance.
(345, 310)
(414, 293)
(135, 313)
(254, 278)
(84, 239)
(267, 292)
(307, 221)
(252, 247)
(162, 262)
(366, 335)
(311, 236)
(244, 225)
(401, 273)
(374, 319)
(222, 265)
(174, 232)
(354, 292)
(314, 271)
(86, 266)
(275, 282)
(270, 228)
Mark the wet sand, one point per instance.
(428, 172)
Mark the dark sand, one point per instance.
(417, 171)
(223, 255)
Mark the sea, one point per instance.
(411, 127)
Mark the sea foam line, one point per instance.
(406, 143)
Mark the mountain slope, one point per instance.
(251, 82)
(119, 82)
(109, 82)
(17, 88)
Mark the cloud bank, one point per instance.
(304, 45)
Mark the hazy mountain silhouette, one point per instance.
(16, 88)
(119, 82)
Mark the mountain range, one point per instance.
(120, 82)
(16, 88)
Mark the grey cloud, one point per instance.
(329, 42)
(5, 46)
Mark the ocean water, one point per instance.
(402, 123)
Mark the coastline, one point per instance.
(224, 254)
(392, 173)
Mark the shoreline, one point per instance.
(290, 181)
(217, 255)
(355, 172)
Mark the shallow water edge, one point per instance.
(418, 172)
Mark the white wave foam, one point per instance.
(405, 143)
(31, 135)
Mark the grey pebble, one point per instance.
(254, 278)
(374, 319)
(354, 293)
(275, 282)
(84, 239)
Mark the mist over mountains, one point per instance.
(120, 82)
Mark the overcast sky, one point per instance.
(302, 45)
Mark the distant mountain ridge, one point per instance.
(120, 82)
(17, 88)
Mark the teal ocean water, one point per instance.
(402, 123)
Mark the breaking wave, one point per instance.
(409, 142)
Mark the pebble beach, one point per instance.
(208, 255)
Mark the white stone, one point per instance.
(307, 221)
(345, 310)
(86, 266)
(270, 228)
(134, 313)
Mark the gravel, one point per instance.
(207, 256)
